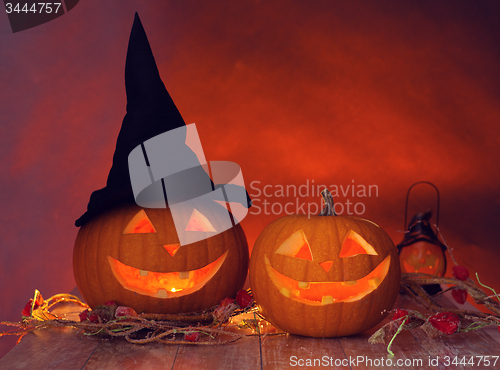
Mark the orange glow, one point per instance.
(351, 248)
(321, 293)
(354, 244)
(343, 92)
(172, 248)
(431, 269)
(164, 284)
(304, 252)
(296, 245)
(326, 265)
(139, 224)
(422, 257)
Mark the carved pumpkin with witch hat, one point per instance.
(169, 242)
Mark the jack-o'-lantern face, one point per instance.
(133, 256)
(324, 276)
(326, 292)
(423, 257)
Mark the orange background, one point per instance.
(378, 93)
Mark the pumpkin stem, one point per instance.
(328, 209)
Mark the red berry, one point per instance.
(460, 295)
(110, 303)
(399, 314)
(244, 299)
(84, 315)
(100, 315)
(192, 336)
(460, 272)
(125, 311)
(446, 322)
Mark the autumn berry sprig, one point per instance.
(435, 326)
(228, 306)
(114, 320)
(460, 273)
(401, 320)
(107, 312)
(444, 321)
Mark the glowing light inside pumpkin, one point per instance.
(164, 284)
(323, 293)
(296, 246)
(198, 222)
(139, 224)
(422, 257)
(326, 265)
(172, 248)
(354, 244)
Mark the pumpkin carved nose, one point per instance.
(326, 265)
(422, 260)
(171, 248)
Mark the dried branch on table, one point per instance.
(444, 321)
(110, 321)
(411, 285)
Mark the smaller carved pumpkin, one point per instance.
(326, 275)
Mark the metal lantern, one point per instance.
(421, 250)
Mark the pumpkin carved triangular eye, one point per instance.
(296, 246)
(354, 244)
(139, 224)
(198, 222)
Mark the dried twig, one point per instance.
(140, 329)
(411, 285)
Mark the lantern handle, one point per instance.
(408, 195)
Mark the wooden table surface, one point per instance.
(61, 348)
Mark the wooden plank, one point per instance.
(285, 351)
(57, 348)
(470, 346)
(242, 354)
(467, 347)
(60, 348)
(408, 354)
(120, 355)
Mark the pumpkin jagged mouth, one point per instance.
(164, 284)
(323, 293)
(425, 269)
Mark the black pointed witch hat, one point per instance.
(150, 112)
